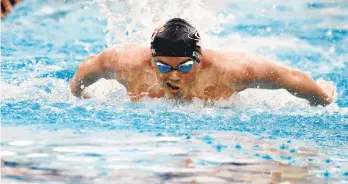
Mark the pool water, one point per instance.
(260, 136)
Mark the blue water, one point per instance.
(50, 136)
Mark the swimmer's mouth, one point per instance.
(172, 86)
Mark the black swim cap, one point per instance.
(176, 38)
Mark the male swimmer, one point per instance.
(176, 67)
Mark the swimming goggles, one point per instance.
(183, 67)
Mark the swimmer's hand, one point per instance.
(91, 70)
(328, 88)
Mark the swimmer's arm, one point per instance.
(91, 70)
(269, 75)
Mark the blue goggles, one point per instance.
(183, 67)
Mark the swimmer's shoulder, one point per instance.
(130, 50)
(223, 58)
(231, 64)
(215, 58)
(128, 55)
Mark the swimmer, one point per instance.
(176, 67)
(6, 6)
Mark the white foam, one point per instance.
(102, 89)
(87, 149)
(174, 170)
(34, 89)
(47, 10)
(77, 159)
(37, 155)
(165, 151)
(21, 143)
(5, 153)
(200, 179)
(140, 18)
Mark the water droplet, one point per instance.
(326, 174)
(329, 33)
(267, 157)
(244, 117)
(220, 147)
(283, 147)
(238, 146)
(332, 49)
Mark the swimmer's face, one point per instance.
(176, 83)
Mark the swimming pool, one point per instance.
(257, 136)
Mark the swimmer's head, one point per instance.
(176, 53)
(176, 38)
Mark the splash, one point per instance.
(35, 94)
(135, 20)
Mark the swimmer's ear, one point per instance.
(152, 63)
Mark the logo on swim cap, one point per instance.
(194, 35)
(197, 55)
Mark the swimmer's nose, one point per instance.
(174, 76)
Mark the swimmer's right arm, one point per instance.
(92, 69)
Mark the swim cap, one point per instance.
(176, 38)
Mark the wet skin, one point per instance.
(216, 77)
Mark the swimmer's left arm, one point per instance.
(269, 75)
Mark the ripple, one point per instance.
(199, 179)
(166, 151)
(213, 158)
(77, 159)
(87, 149)
(37, 155)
